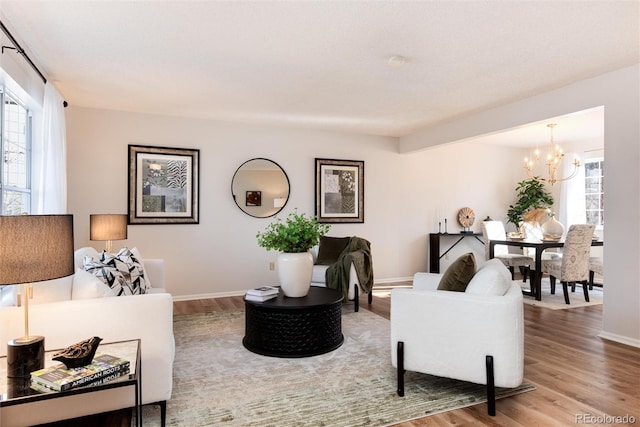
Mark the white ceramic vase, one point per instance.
(552, 228)
(294, 272)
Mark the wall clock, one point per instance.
(466, 217)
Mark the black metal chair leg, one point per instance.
(356, 299)
(400, 362)
(512, 270)
(591, 278)
(491, 388)
(163, 413)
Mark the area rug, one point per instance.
(217, 382)
(556, 301)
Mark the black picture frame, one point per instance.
(163, 185)
(339, 196)
(253, 198)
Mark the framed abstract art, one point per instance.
(163, 185)
(339, 190)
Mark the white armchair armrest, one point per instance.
(426, 281)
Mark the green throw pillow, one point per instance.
(459, 274)
(330, 249)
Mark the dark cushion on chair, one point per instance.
(330, 249)
(459, 274)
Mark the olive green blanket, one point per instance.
(358, 252)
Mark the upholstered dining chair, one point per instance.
(494, 230)
(574, 266)
(595, 267)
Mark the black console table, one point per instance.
(434, 247)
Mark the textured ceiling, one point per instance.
(320, 64)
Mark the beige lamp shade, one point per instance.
(108, 227)
(34, 248)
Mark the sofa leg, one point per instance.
(370, 297)
(491, 388)
(356, 299)
(400, 361)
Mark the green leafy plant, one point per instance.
(297, 233)
(531, 194)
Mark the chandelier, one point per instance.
(553, 161)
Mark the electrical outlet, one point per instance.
(272, 266)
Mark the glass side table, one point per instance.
(22, 406)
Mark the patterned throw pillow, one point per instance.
(122, 272)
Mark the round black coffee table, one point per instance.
(295, 327)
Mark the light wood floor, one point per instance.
(575, 372)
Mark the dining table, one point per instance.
(540, 246)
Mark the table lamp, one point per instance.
(108, 227)
(33, 248)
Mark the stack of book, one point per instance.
(263, 293)
(102, 369)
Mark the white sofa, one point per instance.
(64, 313)
(450, 334)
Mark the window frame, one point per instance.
(4, 188)
(587, 179)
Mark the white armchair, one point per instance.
(475, 336)
(355, 288)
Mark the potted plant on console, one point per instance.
(293, 237)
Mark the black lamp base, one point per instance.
(24, 356)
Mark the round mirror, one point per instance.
(260, 188)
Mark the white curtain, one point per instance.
(572, 200)
(49, 161)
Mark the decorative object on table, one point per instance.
(339, 190)
(552, 228)
(263, 293)
(163, 185)
(466, 218)
(108, 227)
(103, 368)
(553, 160)
(253, 198)
(293, 237)
(78, 354)
(33, 248)
(531, 194)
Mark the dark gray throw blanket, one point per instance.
(357, 251)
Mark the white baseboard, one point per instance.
(620, 339)
(242, 292)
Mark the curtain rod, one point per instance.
(21, 51)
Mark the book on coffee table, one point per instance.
(263, 291)
(259, 298)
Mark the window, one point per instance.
(594, 191)
(15, 168)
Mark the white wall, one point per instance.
(619, 93)
(220, 256)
